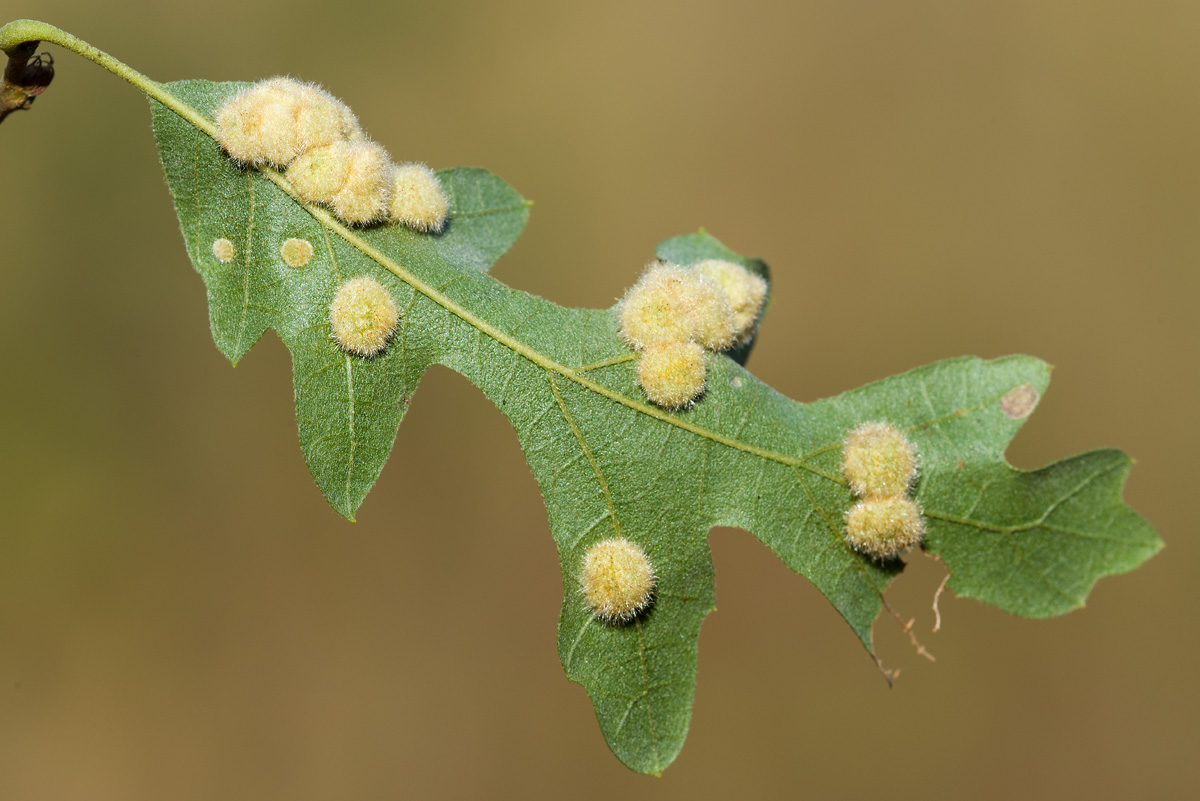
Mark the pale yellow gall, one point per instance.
(296, 252)
(878, 461)
(250, 122)
(617, 581)
(672, 373)
(352, 178)
(321, 118)
(418, 200)
(274, 121)
(744, 290)
(672, 304)
(224, 251)
(363, 316)
(884, 528)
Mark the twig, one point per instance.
(25, 77)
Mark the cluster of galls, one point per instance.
(329, 160)
(316, 138)
(674, 314)
(880, 465)
(617, 581)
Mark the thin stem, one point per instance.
(21, 31)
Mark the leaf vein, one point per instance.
(646, 692)
(578, 639)
(246, 262)
(836, 532)
(350, 426)
(612, 509)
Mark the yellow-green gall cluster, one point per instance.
(274, 121)
(314, 136)
(673, 314)
(744, 290)
(880, 465)
(363, 316)
(351, 178)
(617, 580)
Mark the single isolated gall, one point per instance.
(884, 528)
(418, 200)
(879, 461)
(363, 316)
(617, 581)
(673, 304)
(744, 290)
(672, 374)
(274, 121)
(296, 252)
(224, 251)
(352, 178)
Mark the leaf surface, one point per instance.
(609, 463)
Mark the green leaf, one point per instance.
(610, 464)
(1035, 543)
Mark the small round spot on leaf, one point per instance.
(363, 316)
(879, 461)
(672, 374)
(1018, 402)
(224, 251)
(884, 528)
(296, 252)
(617, 581)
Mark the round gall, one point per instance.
(617, 581)
(418, 200)
(744, 290)
(672, 374)
(884, 528)
(363, 316)
(879, 461)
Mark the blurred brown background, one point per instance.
(182, 616)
